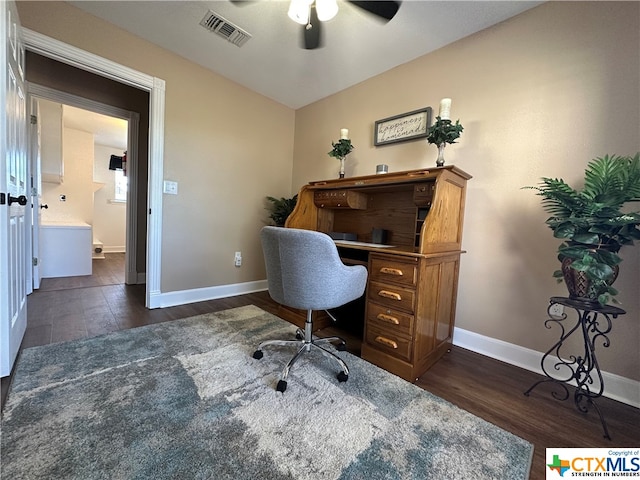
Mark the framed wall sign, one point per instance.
(403, 127)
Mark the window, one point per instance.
(121, 186)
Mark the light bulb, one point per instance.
(299, 11)
(327, 9)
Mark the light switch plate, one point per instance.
(170, 187)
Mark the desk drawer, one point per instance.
(392, 296)
(389, 319)
(385, 269)
(388, 342)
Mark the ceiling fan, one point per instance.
(311, 13)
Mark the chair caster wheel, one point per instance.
(299, 335)
(341, 347)
(258, 354)
(282, 386)
(343, 377)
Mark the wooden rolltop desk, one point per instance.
(413, 278)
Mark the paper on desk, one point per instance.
(347, 243)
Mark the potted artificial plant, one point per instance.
(340, 150)
(443, 131)
(593, 225)
(280, 209)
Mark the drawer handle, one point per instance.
(391, 271)
(387, 342)
(390, 295)
(388, 318)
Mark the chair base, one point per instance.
(306, 343)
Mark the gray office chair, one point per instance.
(304, 271)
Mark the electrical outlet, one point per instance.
(237, 260)
(556, 310)
(170, 187)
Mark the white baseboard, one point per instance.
(155, 299)
(114, 249)
(171, 299)
(617, 388)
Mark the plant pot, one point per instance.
(579, 286)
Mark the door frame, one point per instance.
(36, 92)
(65, 53)
(35, 193)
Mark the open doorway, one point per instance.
(69, 85)
(83, 186)
(79, 207)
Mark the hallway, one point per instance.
(68, 308)
(107, 271)
(72, 308)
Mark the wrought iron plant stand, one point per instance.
(581, 371)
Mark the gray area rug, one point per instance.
(186, 400)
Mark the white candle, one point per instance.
(344, 133)
(445, 109)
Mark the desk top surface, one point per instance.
(392, 249)
(408, 176)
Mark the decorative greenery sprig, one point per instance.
(443, 131)
(341, 148)
(281, 208)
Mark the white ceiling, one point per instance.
(109, 131)
(106, 130)
(357, 45)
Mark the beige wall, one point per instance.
(226, 146)
(538, 95)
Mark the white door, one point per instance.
(14, 227)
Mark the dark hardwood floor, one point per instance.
(80, 307)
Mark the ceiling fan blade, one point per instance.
(382, 9)
(312, 32)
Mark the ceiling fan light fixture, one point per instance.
(299, 11)
(327, 9)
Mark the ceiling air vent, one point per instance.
(221, 26)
